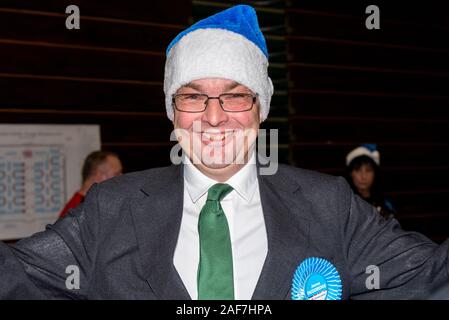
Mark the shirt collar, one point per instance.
(243, 182)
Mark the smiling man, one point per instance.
(217, 89)
(217, 121)
(215, 227)
(217, 93)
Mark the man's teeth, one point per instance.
(215, 137)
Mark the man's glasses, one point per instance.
(229, 102)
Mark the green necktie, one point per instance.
(215, 271)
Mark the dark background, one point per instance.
(337, 84)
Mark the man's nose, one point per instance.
(214, 114)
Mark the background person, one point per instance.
(363, 175)
(98, 167)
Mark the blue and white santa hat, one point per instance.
(367, 149)
(228, 45)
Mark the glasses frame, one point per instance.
(206, 103)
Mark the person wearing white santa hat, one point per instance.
(364, 177)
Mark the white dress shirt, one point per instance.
(243, 211)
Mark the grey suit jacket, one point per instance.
(123, 237)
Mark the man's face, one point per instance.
(215, 139)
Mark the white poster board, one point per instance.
(40, 169)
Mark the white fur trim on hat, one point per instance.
(217, 53)
(363, 151)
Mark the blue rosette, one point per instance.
(316, 279)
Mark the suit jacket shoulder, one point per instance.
(130, 183)
(330, 195)
(308, 178)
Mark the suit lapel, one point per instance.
(287, 225)
(157, 218)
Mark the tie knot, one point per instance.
(218, 191)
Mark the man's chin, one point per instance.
(215, 166)
(216, 163)
(222, 160)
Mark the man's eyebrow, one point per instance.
(192, 86)
(232, 86)
(197, 87)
